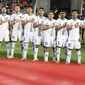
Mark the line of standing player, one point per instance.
(41, 30)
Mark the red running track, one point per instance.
(17, 72)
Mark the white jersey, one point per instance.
(5, 26)
(39, 20)
(51, 31)
(63, 31)
(74, 32)
(29, 26)
(14, 17)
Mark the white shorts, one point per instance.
(62, 42)
(73, 44)
(29, 37)
(16, 35)
(38, 40)
(4, 35)
(49, 41)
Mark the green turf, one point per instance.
(40, 54)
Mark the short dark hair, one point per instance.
(63, 11)
(29, 7)
(17, 5)
(74, 10)
(41, 8)
(4, 7)
(51, 11)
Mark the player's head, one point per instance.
(17, 8)
(51, 15)
(41, 11)
(63, 14)
(3, 10)
(29, 9)
(74, 13)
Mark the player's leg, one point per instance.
(58, 54)
(47, 44)
(68, 58)
(14, 39)
(1, 37)
(59, 45)
(65, 40)
(8, 49)
(13, 49)
(65, 50)
(70, 46)
(25, 46)
(37, 42)
(79, 56)
(53, 42)
(21, 39)
(25, 51)
(54, 54)
(36, 53)
(6, 38)
(46, 54)
(78, 52)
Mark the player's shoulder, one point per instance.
(46, 20)
(25, 14)
(7, 15)
(70, 20)
(33, 15)
(79, 20)
(58, 20)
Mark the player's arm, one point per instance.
(45, 27)
(59, 27)
(35, 25)
(68, 27)
(1, 22)
(80, 33)
(27, 21)
(15, 21)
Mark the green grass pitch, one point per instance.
(40, 54)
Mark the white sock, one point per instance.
(46, 56)
(58, 54)
(68, 58)
(79, 56)
(13, 48)
(8, 49)
(35, 53)
(25, 50)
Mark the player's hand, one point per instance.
(30, 21)
(76, 25)
(64, 25)
(41, 24)
(5, 21)
(17, 21)
(50, 26)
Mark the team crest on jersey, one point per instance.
(20, 16)
(6, 17)
(77, 23)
